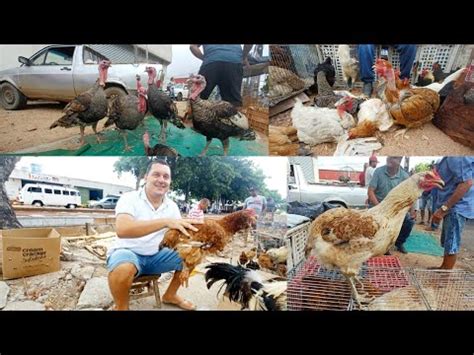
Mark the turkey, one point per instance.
(158, 149)
(216, 119)
(127, 112)
(161, 105)
(88, 108)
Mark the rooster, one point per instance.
(409, 107)
(426, 78)
(211, 237)
(247, 287)
(345, 239)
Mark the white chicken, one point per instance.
(350, 66)
(317, 125)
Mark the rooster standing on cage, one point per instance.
(344, 238)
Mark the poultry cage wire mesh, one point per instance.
(303, 59)
(391, 286)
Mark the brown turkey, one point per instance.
(158, 149)
(161, 105)
(88, 108)
(216, 119)
(128, 111)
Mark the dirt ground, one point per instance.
(28, 128)
(465, 259)
(425, 140)
(22, 131)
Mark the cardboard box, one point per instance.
(30, 251)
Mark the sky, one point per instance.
(101, 169)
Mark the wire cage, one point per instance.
(292, 66)
(382, 280)
(254, 93)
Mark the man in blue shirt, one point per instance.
(383, 181)
(454, 204)
(222, 67)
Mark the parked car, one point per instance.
(107, 203)
(181, 92)
(61, 72)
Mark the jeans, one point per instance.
(367, 59)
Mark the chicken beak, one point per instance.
(438, 183)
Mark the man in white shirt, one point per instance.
(142, 219)
(256, 202)
(370, 169)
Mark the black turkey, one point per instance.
(161, 105)
(88, 108)
(216, 119)
(128, 111)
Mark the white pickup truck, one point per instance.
(299, 189)
(61, 72)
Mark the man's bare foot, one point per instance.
(179, 302)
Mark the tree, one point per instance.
(422, 167)
(135, 165)
(216, 178)
(7, 214)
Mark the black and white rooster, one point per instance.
(246, 287)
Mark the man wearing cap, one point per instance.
(383, 181)
(370, 169)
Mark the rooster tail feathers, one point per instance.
(240, 283)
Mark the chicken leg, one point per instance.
(402, 132)
(355, 294)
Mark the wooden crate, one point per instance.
(258, 118)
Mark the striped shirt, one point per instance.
(196, 212)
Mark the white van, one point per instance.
(49, 195)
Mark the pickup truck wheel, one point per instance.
(11, 98)
(180, 97)
(114, 91)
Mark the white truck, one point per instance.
(342, 194)
(49, 195)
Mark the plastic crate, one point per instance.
(297, 237)
(427, 55)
